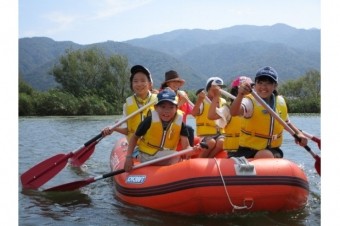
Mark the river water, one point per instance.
(96, 203)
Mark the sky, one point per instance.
(93, 21)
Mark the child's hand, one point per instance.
(215, 90)
(128, 163)
(244, 88)
(302, 141)
(107, 131)
(201, 95)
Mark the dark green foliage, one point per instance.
(304, 106)
(24, 87)
(26, 105)
(116, 88)
(304, 94)
(91, 84)
(94, 105)
(81, 72)
(55, 102)
(26, 102)
(192, 95)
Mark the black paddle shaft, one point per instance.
(93, 139)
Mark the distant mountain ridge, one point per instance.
(196, 54)
(179, 42)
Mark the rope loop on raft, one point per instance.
(235, 207)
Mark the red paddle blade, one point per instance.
(43, 172)
(72, 185)
(318, 141)
(83, 155)
(317, 164)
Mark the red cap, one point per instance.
(240, 79)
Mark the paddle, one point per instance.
(309, 136)
(81, 183)
(45, 170)
(317, 158)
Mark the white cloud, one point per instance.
(110, 8)
(61, 21)
(95, 10)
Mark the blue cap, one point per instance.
(166, 95)
(267, 72)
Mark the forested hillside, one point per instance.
(194, 54)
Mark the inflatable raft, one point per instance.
(212, 185)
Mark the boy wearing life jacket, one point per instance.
(140, 84)
(207, 129)
(261, 135)
(159, 133)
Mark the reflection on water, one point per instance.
(65, 199)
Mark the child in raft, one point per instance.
(261, 135)
(159, 133)
(174, 82)
(141, 84)
(210, 132)
(233, 123)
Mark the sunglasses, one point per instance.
(217, 82)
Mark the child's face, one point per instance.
(174, 85)
(213, 91)
(265, 87)
(140, 84)
(166, 110)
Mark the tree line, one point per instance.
(92, 84)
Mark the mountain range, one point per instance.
(195, 54)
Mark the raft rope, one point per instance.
(235, 207)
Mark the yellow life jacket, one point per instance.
(262, 130)
(157, 139)
(205, 126)
(232, 133)
(132, 106)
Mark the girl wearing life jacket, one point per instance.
(261, 135)
(141, 84)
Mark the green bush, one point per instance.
(55, 102)
(26, 105)
(93, 105)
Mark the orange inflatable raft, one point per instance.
(212, 185)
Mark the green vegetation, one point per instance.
(92, 84)
(303, 95)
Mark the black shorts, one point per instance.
(250, 153)
(215, 137)
(191, 136)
